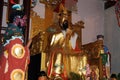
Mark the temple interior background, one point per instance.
(97, 19)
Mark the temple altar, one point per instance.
(58, 63)
(57, 47)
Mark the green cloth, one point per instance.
(11, 31)
(104, 58)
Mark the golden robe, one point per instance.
(64, 55)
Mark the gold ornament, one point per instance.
(18, 51)
(17, 74)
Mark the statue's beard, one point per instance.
(64, 25)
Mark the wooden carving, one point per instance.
(94, 48)
(38, 27)
(38, 43)
(37, 24)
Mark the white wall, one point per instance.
(92, 13)
(39, 9)
(112, 38)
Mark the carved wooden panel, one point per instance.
(93, 50)
(39, 24)
(38, 43)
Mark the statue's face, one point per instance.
(63, 21)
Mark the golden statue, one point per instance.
(64, 48)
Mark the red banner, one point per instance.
(117, 11)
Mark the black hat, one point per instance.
(113, 76)
(100, 36)
(42, 73)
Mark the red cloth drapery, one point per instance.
(117, 11)
(12, 2)
(14, 63)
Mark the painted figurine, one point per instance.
(15, 56)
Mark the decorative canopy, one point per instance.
(68, 4)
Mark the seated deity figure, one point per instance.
(63, 46)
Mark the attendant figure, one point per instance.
(113, 77)
(106, 58)
(15, 57)
(42, 75)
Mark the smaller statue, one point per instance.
(15, 56)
